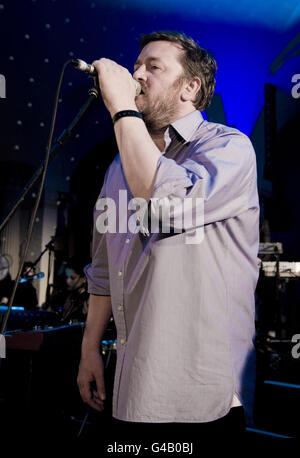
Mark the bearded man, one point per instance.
(182, 301)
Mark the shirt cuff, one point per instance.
(98, 284)
(170, 178)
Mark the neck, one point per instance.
(157, 133)
(158, 137)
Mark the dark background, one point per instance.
(255, 43)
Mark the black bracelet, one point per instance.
(122, 114)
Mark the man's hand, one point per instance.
(90, 380)
(117, 86)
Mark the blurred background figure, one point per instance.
(5, 279)
(76, 304)
(26, 295)
(5, 288)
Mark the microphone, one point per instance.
(32, 277)
(90, 69)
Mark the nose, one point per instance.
(140, 73)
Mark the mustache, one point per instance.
(143, 89)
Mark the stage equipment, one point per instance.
(270, 248)
(41, 171)
(277, 294)
(20, 319)
(284, 269)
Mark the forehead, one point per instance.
(70, 272)
(163, 50)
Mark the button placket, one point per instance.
(119, 305)
(122, 335)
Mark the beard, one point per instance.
(161, 110)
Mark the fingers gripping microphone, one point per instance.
(84, 67)
(87, 68)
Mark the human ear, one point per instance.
(191, 89)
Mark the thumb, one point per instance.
(100, 386)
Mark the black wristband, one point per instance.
(122, 114)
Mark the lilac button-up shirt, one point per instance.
(184, 311)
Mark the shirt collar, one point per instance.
(184, 126)
(187, 125)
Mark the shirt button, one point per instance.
(127, 240)
(120, 273)
(122, 341)
(120, 307)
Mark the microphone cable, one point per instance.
(38, 198)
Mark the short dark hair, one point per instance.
(196, 62)
(77, 264)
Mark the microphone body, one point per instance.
(32, 277)
(90, 69)
(84, 67)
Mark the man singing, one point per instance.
(182, 301)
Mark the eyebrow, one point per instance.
(138, 62)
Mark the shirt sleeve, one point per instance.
(97, 272)
(221, 173)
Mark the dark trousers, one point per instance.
(228, 429)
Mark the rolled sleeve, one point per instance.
(220, 172)
(97, 273)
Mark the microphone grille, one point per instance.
(138, 87)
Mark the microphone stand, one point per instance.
(48, 247)
(62, 139)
